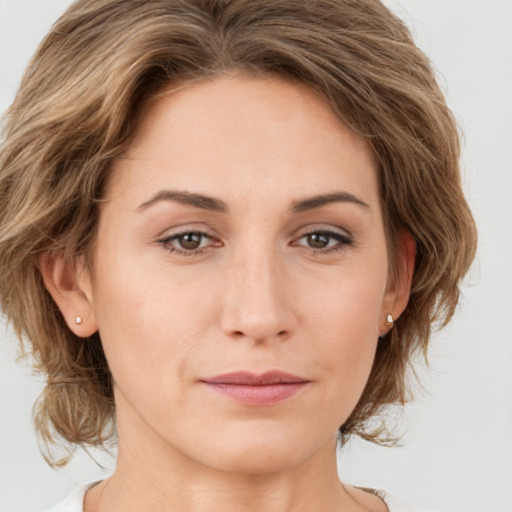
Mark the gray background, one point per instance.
(457, 453)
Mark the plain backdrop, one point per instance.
(457, 445)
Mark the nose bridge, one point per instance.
(257, 306)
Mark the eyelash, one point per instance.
(342, 239)
(184, 252)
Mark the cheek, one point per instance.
(151, 319)
(347, 301)
(343, 315)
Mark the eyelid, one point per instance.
(319, 228)
(326, 229)
(167, 236)
(187, 227)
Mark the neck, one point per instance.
(176, 484)
(153, 475)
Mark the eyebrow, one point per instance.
(217, 205)
(324, 199)
(189, 199)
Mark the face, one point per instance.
(240, 278)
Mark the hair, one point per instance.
(81, 99)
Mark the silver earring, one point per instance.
(78, 320)
(390, 321)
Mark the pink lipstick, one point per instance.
(257, 390)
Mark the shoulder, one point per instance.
(75, 501)
(395, 504)
(385, 500)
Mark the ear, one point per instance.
(399, 285)
(69, 284)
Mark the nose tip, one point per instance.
(257, 305)
(259, 333)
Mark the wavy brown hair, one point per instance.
(80, 101)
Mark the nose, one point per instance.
(257, 299)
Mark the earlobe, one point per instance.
(70, 287)
(397, 296)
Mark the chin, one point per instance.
(257, 461)
(262, 452)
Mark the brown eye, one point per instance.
(190, 241)
(318, 240)
(324, 242)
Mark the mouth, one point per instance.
(257, 390)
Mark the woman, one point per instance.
(229, 224)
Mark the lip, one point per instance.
(257, 389)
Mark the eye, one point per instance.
(189, 242)
(324, 240)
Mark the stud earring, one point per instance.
(78, 320)
(390, 321)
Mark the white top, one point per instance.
(75, 501)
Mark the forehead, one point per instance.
(224, 133)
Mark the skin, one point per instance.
(257, 294)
